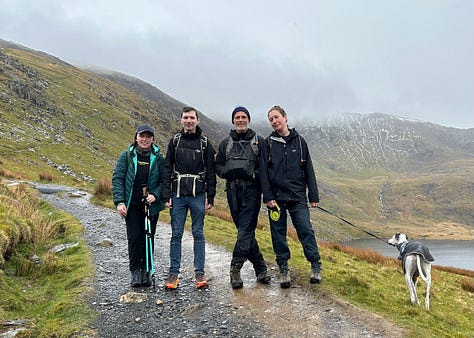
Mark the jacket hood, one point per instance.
(293, 134)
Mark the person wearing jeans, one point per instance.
(178, 215)
(189, 183)
(288, 182)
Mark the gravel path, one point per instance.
(218, 311)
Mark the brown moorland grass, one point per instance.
(28, 228)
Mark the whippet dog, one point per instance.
(416, 261)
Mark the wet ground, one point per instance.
(218, 311)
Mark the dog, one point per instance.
(416, 261)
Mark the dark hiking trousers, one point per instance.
(299, 213)
(244, 200)
(135, 221)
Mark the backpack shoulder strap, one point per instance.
(230, 143)
(176, 139)
(203, 142)
(254, 145)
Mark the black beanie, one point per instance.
(240, 108)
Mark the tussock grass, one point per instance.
(367, 255)
(46, 176)
(9, 174)
(457, 271)
(468, 284)
(103, 188)
(46, 289)
(102, 193)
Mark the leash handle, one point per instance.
(351, 224)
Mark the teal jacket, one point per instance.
(124, 176)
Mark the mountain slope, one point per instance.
(379, 171)
(383, 142)
(163, 101)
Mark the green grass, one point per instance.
(377, 287)
(50, 296)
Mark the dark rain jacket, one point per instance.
(189, 167)
(124, 177)
(286, 169)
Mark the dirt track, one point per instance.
(254, 311)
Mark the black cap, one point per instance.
(240, 108)
(145, 128)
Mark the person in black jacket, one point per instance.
(286, 173)
(137, 180)
(237, 161)
(189, 183)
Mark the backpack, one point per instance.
(241, 159)
(203, 139)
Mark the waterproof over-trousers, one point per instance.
(244, 200)
(300, 217)
(135, 221)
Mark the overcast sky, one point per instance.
(411, 58)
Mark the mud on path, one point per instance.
(218, 311)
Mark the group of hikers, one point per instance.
(279, 167)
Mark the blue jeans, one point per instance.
(299, 213)
(179, 212)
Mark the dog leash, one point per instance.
(355, 226)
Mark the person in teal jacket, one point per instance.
(136, 182)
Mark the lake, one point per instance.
(459, 254)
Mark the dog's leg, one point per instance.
(428, 286)
(410, 271)
(424, 270)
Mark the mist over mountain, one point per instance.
(381, 171)
(385, 142)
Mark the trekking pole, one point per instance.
(150, 263)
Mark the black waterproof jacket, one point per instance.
(189, 170)
(286, 169)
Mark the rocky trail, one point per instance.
(218, 311)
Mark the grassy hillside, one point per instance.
(60, 119)
(66, 124)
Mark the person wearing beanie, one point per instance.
(237, 162)
(240, 109)
(136, 182)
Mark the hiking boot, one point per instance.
(172, 282)
(136, 278)
(201, 281)
(263, 277)
(146, 278)
(315, 276)
(235, 278)
(284, 279)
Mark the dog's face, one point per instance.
(398, 238)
